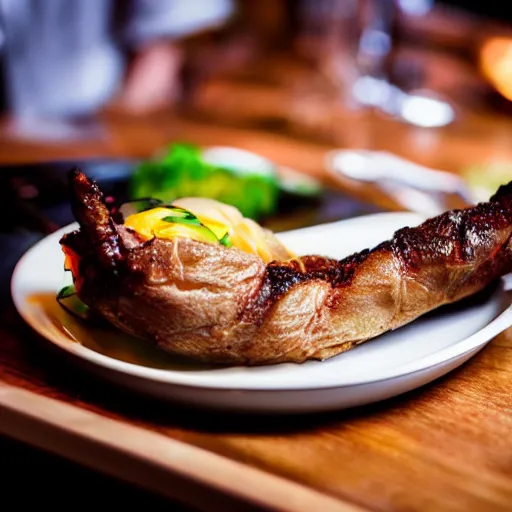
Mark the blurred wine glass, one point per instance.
(353, 46)
(376, 58)
(327, 35)
(326, 40)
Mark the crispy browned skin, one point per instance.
(225, 306)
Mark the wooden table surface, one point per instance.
(447, 446)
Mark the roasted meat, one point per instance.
(223, 305)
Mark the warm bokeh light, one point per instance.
(496, 64)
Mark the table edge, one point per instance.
(153, 461)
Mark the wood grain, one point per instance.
(156, 462)
(445, 447)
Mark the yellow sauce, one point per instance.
(219, 219)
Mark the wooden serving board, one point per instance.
(447, 446)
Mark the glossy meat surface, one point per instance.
(223, 305)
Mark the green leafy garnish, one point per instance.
(66, 292)
(182, 220)
(181, 212)
(190, 219)
(226, 241)
(69, 301)
(182, 172)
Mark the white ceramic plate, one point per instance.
(384, 367)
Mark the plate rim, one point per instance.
(474, 342)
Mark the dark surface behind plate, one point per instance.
(57, 482)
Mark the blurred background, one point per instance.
(360, 98)
(295, 111)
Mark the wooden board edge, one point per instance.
(150, 460)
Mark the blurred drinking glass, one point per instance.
(326, 38)
(376, 58)
(327, 35)
(353, 46)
